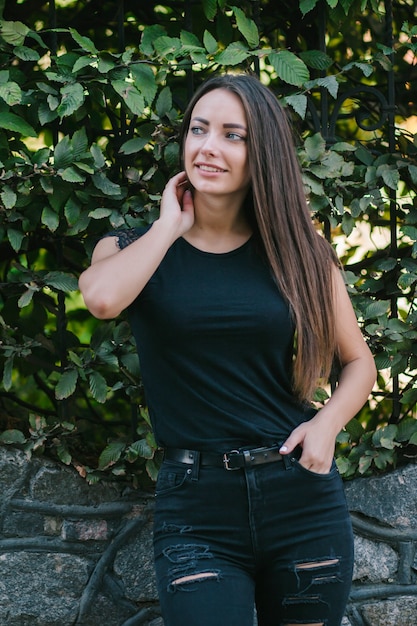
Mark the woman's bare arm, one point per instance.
(317, 437)
(116, 277)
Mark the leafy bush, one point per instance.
(87, 142)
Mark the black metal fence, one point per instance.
(375, 107)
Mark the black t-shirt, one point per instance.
(215, 343)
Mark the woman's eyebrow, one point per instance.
(234, 125)
(227, 125)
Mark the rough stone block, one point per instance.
(396, 612)
(41, 589)
(85, 530)
(374, 562)
(22, 524)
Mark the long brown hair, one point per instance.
(301, 260)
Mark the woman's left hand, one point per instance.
(317, 442)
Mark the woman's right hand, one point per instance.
(177, 207)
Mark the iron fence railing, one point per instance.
(375, 109)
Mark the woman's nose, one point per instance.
(210, 145)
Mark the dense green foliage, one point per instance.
(88, 123)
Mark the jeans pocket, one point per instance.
(315, 475)
(170, 478)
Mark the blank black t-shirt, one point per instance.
(215, 343)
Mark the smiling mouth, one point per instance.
(209, 168)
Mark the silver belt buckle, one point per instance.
(226, 460)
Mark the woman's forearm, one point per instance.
(114, 280)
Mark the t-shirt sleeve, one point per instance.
(126, 236)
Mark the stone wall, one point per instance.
(78, 555)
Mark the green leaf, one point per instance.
(307, 5)
(382, 361)
(63, 454)
(110, 455)
(99, 214)
(315, 147)
(320, 395)
(26, 298)
(45, 114)
(133, 146)
(97, 154)
(149, 36)
(79, 143)
(84, 42)
(290, 68)
(72, 211)
(61, 282)
(63, 154)
(66, 384)
(14, 123)
(152, 469)
(12, 436)
(330, 83)
(130, 96)
(81, 63)
(299, 103)
(13, 33)
(364, 464)
(8, 197)
(190, 40)
(409, 397)
(355, 429)
(348, 223)
(384, 437)
(408, 426)
(26, 54)
(50, 218)
(105, 185)
(246, 27)
(389, 175)
(210, 42)
(11, 93)
(343, 465)
(164, 102)
(376, 309)
(145, 81)
(7, 373)
(365, 68)
(167, 47)
(72, 98)
(171, 155)
(15, 238)
(234, 54)
(142, 449)
(105, 64)
(71, 175)
(98, 386)
(210, 8)
(405, 281)
(316, 59)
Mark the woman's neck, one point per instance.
(219, 226)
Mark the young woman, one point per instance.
(238, 308)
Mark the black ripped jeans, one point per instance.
(275, 536)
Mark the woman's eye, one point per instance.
(236, 137)
(196, 130)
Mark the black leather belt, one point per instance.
(233, 460)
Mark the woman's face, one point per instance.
(215, 149)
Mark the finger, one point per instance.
(291, 443)
(187, 201)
